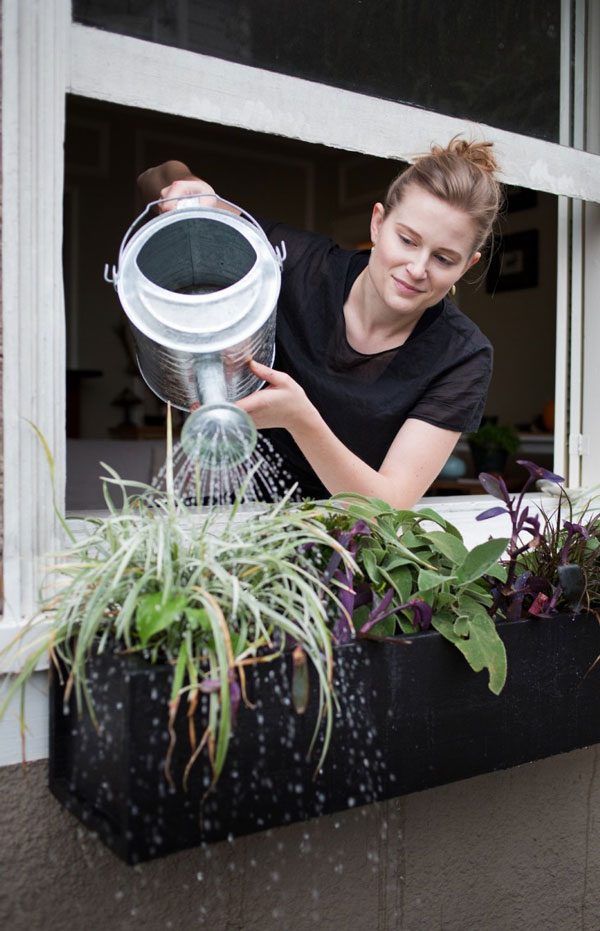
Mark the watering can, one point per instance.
(199, 285)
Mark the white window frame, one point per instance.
(45, 56)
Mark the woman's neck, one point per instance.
(371, 326)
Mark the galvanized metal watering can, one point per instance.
(199, 286)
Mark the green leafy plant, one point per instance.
(214, 592)
(208, 593)
(417, 574)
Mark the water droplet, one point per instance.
(259, 478)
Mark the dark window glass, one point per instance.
(497, 63)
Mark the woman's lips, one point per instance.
(405, 287)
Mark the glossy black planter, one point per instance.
(413, 716)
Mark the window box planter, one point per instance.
(413, 716)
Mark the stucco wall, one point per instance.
(511, 850)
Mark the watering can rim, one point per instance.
(111, 274)
(136, 290)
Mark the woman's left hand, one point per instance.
(282, 404)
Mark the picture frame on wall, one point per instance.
(514, 264)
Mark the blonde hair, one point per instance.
(461, 174)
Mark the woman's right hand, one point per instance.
(173, 179)
(183, 188)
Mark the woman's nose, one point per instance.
(417, 267)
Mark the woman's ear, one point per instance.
(376, 221)
(473, 260)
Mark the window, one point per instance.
(111, 414)
(469, 60)
(170, 80)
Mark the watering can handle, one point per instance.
(111, 275)
(188, 200)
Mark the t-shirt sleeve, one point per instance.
(455, 400)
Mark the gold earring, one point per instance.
(453, 290)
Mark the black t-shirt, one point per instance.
(440, 374)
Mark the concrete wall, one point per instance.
(511, 850)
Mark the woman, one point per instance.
(377, 373)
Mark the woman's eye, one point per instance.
(405, 240)
(444, 260)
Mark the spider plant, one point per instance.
(208, 595)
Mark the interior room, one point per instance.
(113, 417)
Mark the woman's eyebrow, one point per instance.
(408, 229)
(414, 233)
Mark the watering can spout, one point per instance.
(218, 434)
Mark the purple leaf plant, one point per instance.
(353, 596)
(521, 584)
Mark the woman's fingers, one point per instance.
(185, 188)
(279, 404)
(272, 376)
(260, 407)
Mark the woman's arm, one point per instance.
(413, 461)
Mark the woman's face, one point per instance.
(420, 249)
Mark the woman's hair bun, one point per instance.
(477, 153)
(462, 174)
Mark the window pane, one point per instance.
(113, 417)
(497, 63)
